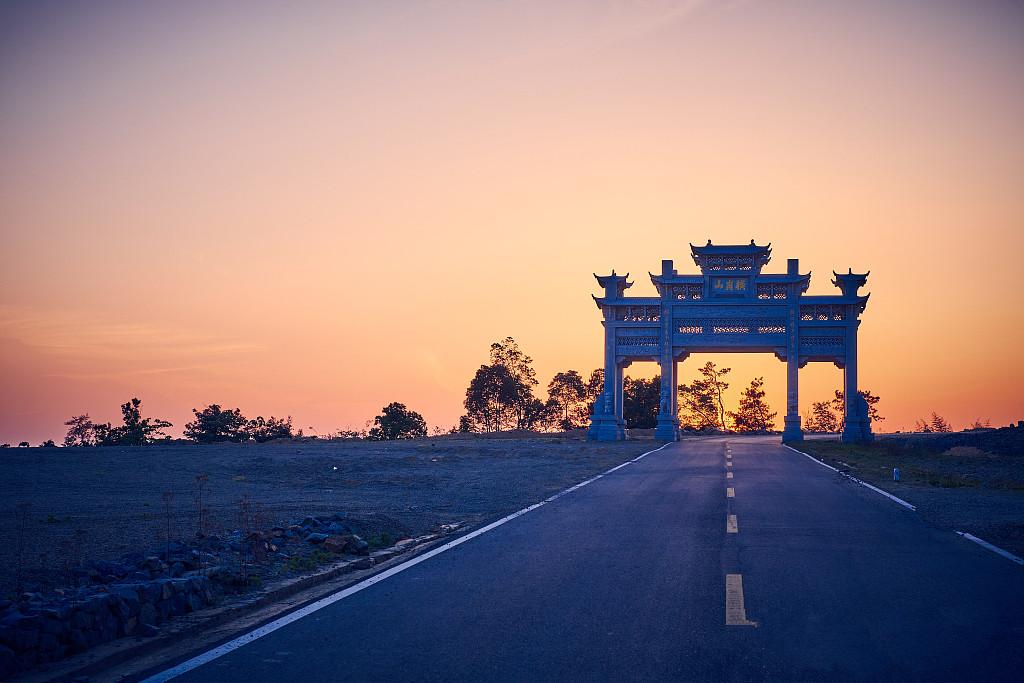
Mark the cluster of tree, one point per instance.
(702, 404)
(501, 397)
(135, 430)
(397, 422)
(214, 424)
(935, 423)
(829, 416)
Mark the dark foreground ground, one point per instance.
(966, 481)
(97, 503)
(638, 577)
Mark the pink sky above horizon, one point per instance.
(317, 208)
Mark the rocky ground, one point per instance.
(102, 543)
(65, 508)
(968, 481)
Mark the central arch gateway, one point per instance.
(730, 307)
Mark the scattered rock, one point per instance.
(147, 631)
(317, 538)
(362, 563)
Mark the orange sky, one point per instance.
(317, 208)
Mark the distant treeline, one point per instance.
(500, 397)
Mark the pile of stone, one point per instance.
(328, 532)
(36, 630)
(130, 597)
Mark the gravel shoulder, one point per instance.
(971, 482)
(98, 503)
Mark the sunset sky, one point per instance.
(317, 208)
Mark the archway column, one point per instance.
(791, 429)
(604, 422)
(857, 423)
(667, 428)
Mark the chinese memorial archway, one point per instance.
(731, 306)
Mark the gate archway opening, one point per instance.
(731, 306)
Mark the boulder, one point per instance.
(336, 544)
(152, 563)
(129, 598)
(363, 563)
(337, 528)
(382, 556)
(77, 641)
(8, 663)
(358, 546)
(316, 538)
(147, 631)
(129, 625)
(148, 614)
(81, 619)
(52, 623)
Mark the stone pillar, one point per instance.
(667, 428)
(619, 393)
(604, 425)
(857, 424)
(675, 391)
(791, 428)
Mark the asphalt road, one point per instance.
(638, 577)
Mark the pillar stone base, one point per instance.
(791, 431)
(666, 430)
(606, 428)
(857, 430)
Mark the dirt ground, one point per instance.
(971, 482)
(98, 503)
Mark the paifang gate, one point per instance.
(730, 307)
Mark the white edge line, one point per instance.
(255, 634)
(970, 537)
(994, 548)
(862, 483)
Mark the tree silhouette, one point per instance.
(81, 431)
(491, 400)
(397, 422)
(262, 430)
(214, 424)
(507, 354)
(569, 394)
(939, 423)
(640, 401)
(136, 431)
(829, 416)
(754, 414)
(702, 402)
(822, 418)
(595, 387)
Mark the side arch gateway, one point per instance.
(731, 306)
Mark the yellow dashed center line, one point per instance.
(728, 475)
(731, 525)
(735, 612)
(728, 464)
(730, 492)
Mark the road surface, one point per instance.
(711, 559)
